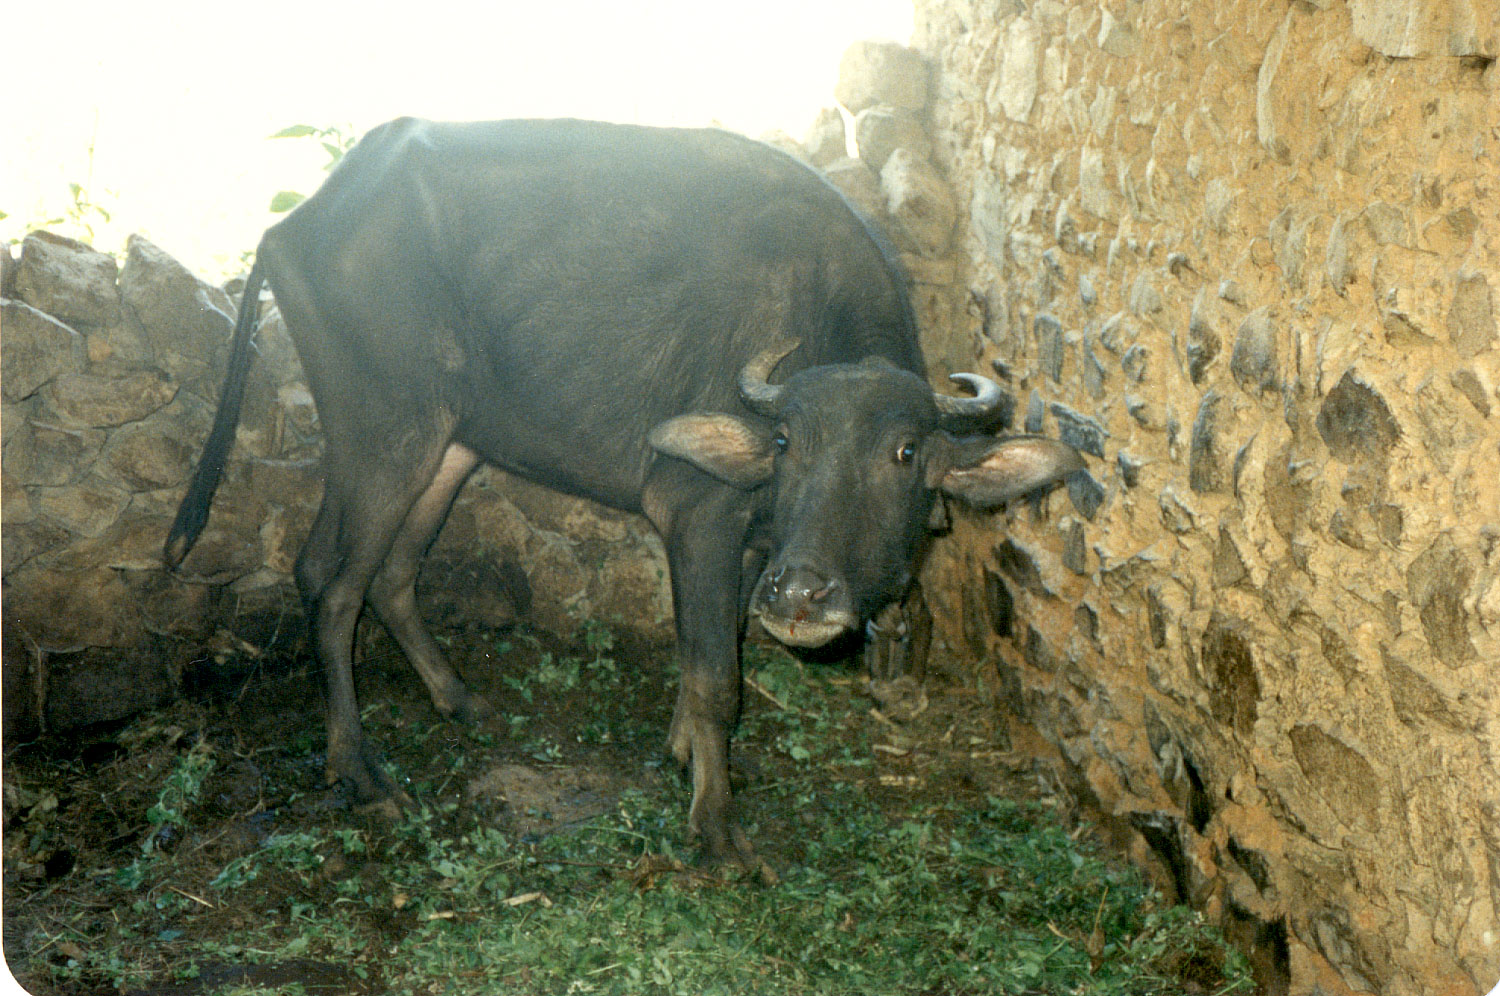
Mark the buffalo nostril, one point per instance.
(823, 592)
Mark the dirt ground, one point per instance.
(77, 806)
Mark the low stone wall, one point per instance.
(110, 378)
(1245, 255)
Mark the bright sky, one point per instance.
(177, 98)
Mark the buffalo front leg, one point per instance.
(705, 548)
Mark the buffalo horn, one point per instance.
(760, 397)
(987, 397)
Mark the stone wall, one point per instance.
(1245, 254)
(110, 378)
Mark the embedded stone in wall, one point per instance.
(1438, 582)
(1116, 36)
(1079, 431)
(1340, 774)
(1468, 384)
(1205, 463)
(1338, 258)
(1049, 346)
(1202, 341)
(1000, 605)
(1086, 494)
(1415, 28)
(67, 279)
(1471, 319)
(1289, 245)
(1253, 362)
(1095, 195)
(66, 611)
(1014, 88)
(1266, 106)
(1234, 686)
(1355, 421)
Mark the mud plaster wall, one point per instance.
(1245, 254)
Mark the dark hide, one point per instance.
(573, 302)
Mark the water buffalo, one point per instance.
(601, 309)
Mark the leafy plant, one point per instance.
(181, 790)
(336, 141)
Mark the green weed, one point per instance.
(876, 895)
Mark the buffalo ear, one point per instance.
(986, 473)
(735, 451)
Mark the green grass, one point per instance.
(913, 896)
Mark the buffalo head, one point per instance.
(854, 455)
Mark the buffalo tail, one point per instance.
(192, 514)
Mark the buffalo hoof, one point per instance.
(737, 869)
(729, 856)
(473, 710)
(374, 789)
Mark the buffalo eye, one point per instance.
(779, 441)
(906, 453)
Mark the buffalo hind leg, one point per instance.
(364, 505)
(393, 593)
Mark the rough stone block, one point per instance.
(1086, 494)
(46, 455)
(1079, 431)
(66, 611)
(1202, 341)
(1339, 773)
(37, 348)
(184, 318)
(855, 181)
(1117, 37)
(875, 72)
(1020, 565)
(86, 508)
(101, 402)
(880, 131)
(919, 201)
(825, 140)
(67, 279)
(148, 455)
